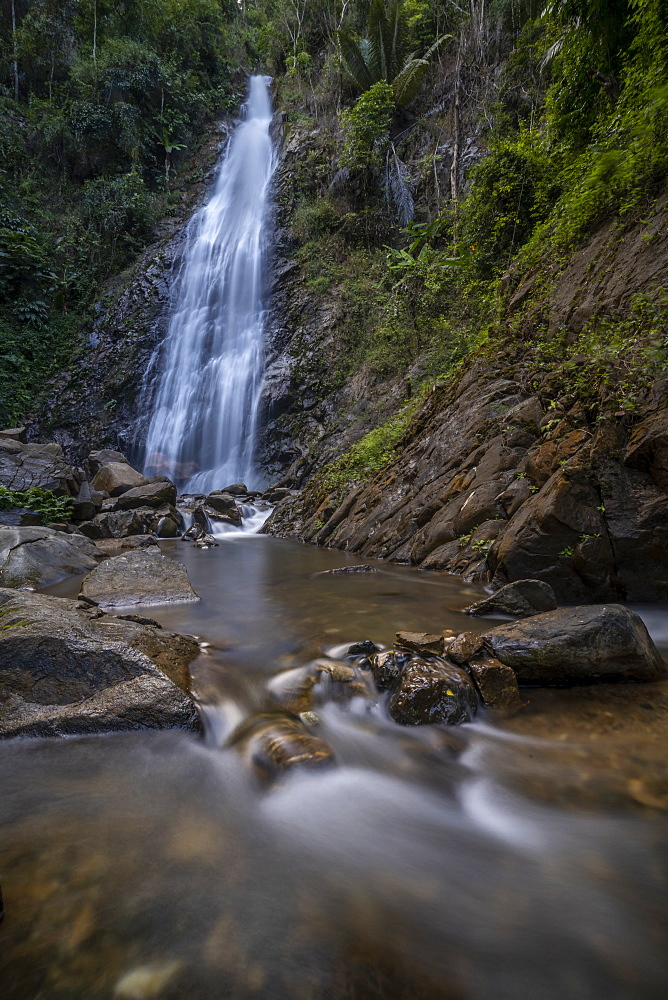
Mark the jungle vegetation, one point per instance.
(104, 103)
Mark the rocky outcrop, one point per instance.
(140, 577)
(36, 465)
(68, 669)
(491, 486)
(32, 557)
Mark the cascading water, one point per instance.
(202, 429)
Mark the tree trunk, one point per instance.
(15, 63)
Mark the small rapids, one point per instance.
(498, 860)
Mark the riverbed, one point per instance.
(505, 859)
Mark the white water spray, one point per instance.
(202, 429)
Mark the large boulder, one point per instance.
(65, 668)
(112, 473)
(519, 600)
(149, 495)
(139, 577)
(600, 642)
(40, 465)
(32, 557)
(433, 691)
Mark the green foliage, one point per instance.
(52, 509)
(110, 95)
(364, 459)
(384, 54)
(366, 128)
(512, 190)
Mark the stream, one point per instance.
(507, 859)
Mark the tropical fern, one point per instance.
(384, 54)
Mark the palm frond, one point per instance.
(407, 83)
(353, 60)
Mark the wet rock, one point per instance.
(604, 642)
(235, 490)
(362, 568)
(40, 465)
(387, 667)
(62, 671)
(424, 643)
(464, 647)
(149, 495)
(32, 557)
(116, 478)
(223, 503)
(294, 689)
(364, 648)
(274, 744)
(138, 578)
(433, 692)
(496, 682)
(521, 600)
(166, 527)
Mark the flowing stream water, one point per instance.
(202, 429)
(500, 860)
(507, 859)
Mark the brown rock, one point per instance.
(465, 646)
(274, 744)
(63, 670)
(496, 682)
(433, 692)
(116, 478)
(424, 643)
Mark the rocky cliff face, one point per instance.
(506, 472)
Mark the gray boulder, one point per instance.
(116, 478)
(66, 669)
(520, 600)
(138, 577)
(581, 645)
(14, 433)
(431, 691)
(147, 495)
(32, 557)
(41, 465)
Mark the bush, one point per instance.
(366, 128)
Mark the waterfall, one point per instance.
(202, 428)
